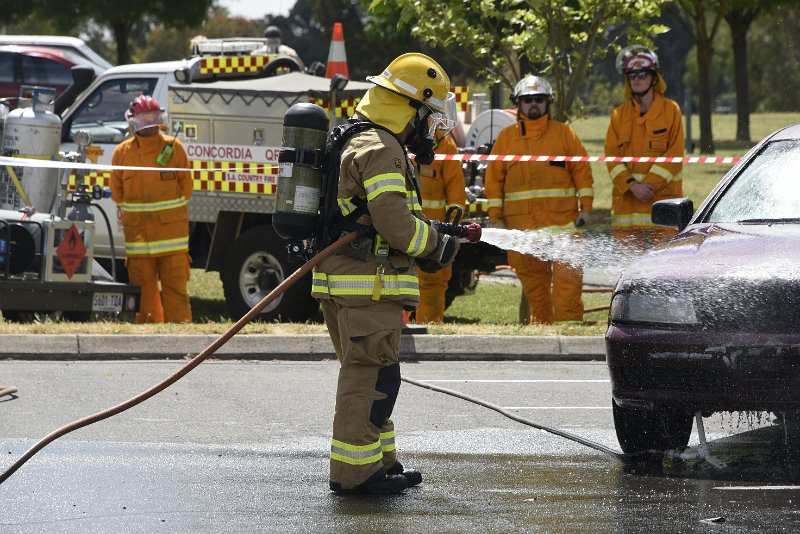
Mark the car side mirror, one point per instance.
(674, 212)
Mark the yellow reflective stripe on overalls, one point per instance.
(632, 219)
(144, 207)
(494, 203)
(341, 285)
(387, 441)
(346, 207)
(412, 201)
(540, 193)
(618, 169)
(420, 238)
(433, 204)
(356, 454)
(662, 172)
(179, 244)
(586, 192)
(384, 183)
(556, 229)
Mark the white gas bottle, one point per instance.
(486, 126)
(33, 132)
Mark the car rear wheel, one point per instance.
(659, 429)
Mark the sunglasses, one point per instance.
(531, 99)
(640, 75)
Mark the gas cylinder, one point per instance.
(302, 160)
(33, 131)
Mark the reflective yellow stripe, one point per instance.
(632, 219)
(561, 229)
(662, 172)
(540, 193)
(433, 204)
(384, 183)
(586, 192)
(412, 201)
(617, 170)
(178, 244)
(356, 454)
(387, 441)
(419, 240)
(338, 285)
(495, 202)
(143, 207)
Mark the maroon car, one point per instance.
(35, 65)
(710, 320)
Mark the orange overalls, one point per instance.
(542, 195)
(155, 217)
(659, 132)
(441, 186)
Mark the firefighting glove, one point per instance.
(441, 257)
(583, 218)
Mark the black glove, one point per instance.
(442, 256)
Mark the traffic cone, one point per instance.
(337, 57)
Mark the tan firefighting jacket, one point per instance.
(154, 203)
(375, 167)
(659, 132)
(527, 195)
(441, 183)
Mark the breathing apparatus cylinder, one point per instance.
(302, 160)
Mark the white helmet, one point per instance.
(532, 85)
(635, 58)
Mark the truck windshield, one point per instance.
(103, 113)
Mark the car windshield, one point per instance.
(767, 190)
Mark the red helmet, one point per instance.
(144, 112)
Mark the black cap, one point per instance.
(272, 31)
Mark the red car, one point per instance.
(710, 320)
(35, 65)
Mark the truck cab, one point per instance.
(226, 105)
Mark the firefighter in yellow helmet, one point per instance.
(647, 124)
(556, 196)
(441, 187)
(155, 216)
(363, 295)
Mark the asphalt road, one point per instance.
(242, 447)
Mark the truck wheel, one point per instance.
(660, 429)
(31, 317)
(255, 264)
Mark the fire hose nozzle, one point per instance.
(471, 232)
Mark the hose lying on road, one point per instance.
(194, 362)
(611, 452)
(7, 390)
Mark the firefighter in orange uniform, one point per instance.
(441, 187)
(556, 196)
(647, 124)
(155, 214)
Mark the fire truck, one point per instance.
(47, 266)
(226, 104)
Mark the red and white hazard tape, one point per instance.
(574, 159)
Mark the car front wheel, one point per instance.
(659, 429)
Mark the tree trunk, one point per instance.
(704, 98)
(122, 34)
(739, 21)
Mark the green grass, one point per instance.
(493, 309)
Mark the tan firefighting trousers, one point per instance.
(432, 287)
(553, 289)
(367, 343)
(171, 304)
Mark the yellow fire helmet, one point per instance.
(421, 79)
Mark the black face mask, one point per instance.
(418, 141)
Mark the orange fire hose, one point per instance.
(183, 371)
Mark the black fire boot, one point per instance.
(413, 476)
(381, 483)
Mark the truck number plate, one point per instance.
(107, 302)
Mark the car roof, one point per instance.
(790, 132)
(60, 42)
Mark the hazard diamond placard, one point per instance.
(71, 251)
